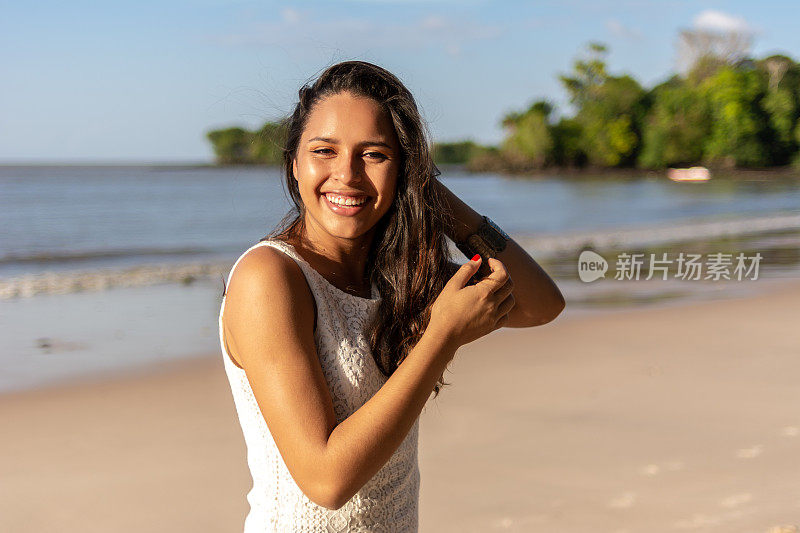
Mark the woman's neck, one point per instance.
(340, 261)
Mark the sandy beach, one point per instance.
(678, 418)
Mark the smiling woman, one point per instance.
(337, 327)
(346, 165)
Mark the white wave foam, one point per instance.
(548, 245)
(538, 246)
(95, 280)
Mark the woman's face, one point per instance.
(349, 149)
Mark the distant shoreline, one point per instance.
(782, 172)
(112, 164)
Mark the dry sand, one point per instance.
(684, 418)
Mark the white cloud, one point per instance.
(453, 49)
(618, 29)
(718, 21)
(433, 22)
(303, 30)
(291, 15)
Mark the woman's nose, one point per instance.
(349, 169)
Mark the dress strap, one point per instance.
(308, 272)
(326, 286)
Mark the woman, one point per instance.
(336, 329)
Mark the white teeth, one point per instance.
(345, 200)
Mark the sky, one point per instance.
(144, 81)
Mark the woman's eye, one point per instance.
(372, 155)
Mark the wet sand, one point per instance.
(681, 418)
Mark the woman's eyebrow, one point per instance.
(336, 141)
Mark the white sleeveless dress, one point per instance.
(389, 501)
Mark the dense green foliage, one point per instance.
(675, 127)
(720, 113)
(234, 146)
(530, 143)
(455, 153)
(745, 114)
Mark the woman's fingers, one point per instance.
(503, 292)
(502, 321)
(503, 310)
(498, 276)
(506, 305)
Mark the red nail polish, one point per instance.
(476, 257)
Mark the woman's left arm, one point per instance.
(537, 298)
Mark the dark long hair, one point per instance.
(409, 259)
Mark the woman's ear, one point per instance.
(294, 168)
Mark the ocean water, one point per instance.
(55, 219)
(137, 230)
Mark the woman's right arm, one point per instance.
(269, 317)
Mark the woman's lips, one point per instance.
(345, 210)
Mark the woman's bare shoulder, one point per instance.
(267, 287)
(264, 268)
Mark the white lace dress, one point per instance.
(389, 501)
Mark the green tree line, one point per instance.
(720, 113)
(238, 146)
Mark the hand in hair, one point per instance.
(463, 313)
